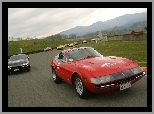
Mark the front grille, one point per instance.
(126, 73)
(121, 81)
(17, 67)
(118, 75)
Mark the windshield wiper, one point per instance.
(89, 56)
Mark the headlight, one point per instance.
(8, 66)
(137, 70)
(25, 63)
(144, 73)
(101, 79)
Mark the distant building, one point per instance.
(102, 37)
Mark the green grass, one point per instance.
(134, 50)
(28, 45)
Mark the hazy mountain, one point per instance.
(130, 26)
(118, 23)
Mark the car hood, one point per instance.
(105, 65)
(17, 62)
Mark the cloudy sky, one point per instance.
(42, 22)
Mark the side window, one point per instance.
(67, 57)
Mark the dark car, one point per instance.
(18, 62)
(76, 43)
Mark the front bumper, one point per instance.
(60, 48)
(71, 45)
(112, 86)
(18, 68)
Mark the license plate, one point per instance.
(125, 86)
(16, 69)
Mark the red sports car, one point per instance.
(90, 72)
(47, 49)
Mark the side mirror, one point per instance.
(28, 58)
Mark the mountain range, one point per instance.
(127, 21)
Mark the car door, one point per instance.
(66, 69)
(57, 64)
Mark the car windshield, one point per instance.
(17, 57)
(82, 53)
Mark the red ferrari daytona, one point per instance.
(90, 72)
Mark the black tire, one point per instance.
(55, 78)
(80, 88)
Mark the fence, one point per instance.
(128, 37)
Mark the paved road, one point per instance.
(36, 89)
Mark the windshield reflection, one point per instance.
(17, 57)
(82, 53)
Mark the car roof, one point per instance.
(18, 55)
(21, 54)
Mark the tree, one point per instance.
(72, 36)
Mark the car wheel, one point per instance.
(55, 78)
(80, 88)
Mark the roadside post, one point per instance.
(21, 50)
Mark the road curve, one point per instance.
(36, 89)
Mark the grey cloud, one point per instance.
(29, 22)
